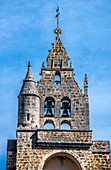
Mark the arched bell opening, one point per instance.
(49, 107)
(65, 107)
(61, 161)
(66, 125)
(57, 78)
(49, 124)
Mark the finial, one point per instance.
(29, 65)
(43, 65)
(57, 30)
(71, 64)
(86, 85)
(85, 79)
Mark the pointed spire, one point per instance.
(29, 65)
(29, 84)
(71, 64)
(85, 85)
(29, 75)
(43, 65)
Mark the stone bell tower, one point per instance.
(53, 129)
(62, 101)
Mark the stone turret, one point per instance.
(28, 103)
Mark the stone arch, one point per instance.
(65, 107)
(49, 121)
(50, 97)
(61, 161)
(57, 78)
(66, 97)
(66, 122)
(49, 107)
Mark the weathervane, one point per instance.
(57, 30)
(57, 16)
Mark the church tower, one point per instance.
(53, 130)
(62, 101)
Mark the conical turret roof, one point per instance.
(29, 76)
(29, 86)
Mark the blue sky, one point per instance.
(26, 33)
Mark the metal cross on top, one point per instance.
(57, 16)
(57, 30)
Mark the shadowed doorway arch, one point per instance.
(61, 161)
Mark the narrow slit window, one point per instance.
(28, 117)
(51, 63)
(61, 64)
(57, 79)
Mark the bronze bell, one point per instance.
(49, 113)
(65, 113)
(65, 105)
(49, 102)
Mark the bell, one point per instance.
(49, 113)
(65, 105)
(49, 102)
(65, 113)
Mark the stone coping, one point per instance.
(80, 146)
(53, 130)
(58, 69)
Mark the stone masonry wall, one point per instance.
(11, 154)
(58, 55)
(57, 62)
(31, 157)
(79, 108)
(64, 136)
(29, 104)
